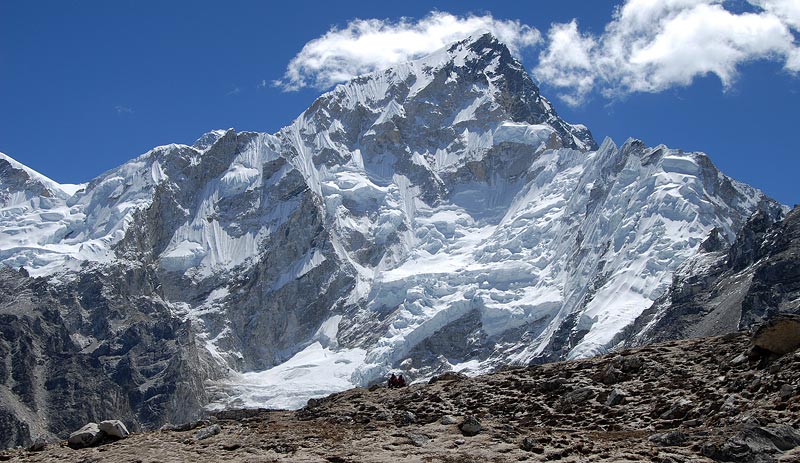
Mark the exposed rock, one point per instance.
(755, 444)
(86, 436)
(669, 439)
(418, 440)
(470, 426)
(38, 445)
(712, 293)
(254, 242)
(447, 419)
(188, 426)
(677, 410)
(94, 352)
(530, 444)
(780, 334)
(114, 428)
(207, 432)
(792, 456)
(611, 375)
(580, 395)
(408, 417)
(787, 391)
(448, 376)
(616, 397)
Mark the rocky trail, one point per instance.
(706, 399)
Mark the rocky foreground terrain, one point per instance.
(705, 399)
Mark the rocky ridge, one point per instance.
(705, 399)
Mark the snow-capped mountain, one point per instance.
(436, 215)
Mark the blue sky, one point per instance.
(88, 85)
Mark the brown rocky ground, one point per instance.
(693, 400)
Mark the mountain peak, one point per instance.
(483, 44)
(17, 177)
(475, 83)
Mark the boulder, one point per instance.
(188, 426)
(615, 397)
(418, 440)
(677, 410)
(610, 375)
(114, 428)
(86, 436)
(530, 444)
(669, 439)
(38, 445)
(470, 426)
(755, 444)
(786, 392)
(207, 432)
(408, 417)
(780, 334)
(580, 395)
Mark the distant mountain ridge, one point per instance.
(438, 215)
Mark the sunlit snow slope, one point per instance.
(436, 215)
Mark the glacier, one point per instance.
(438, 215)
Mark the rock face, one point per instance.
(74, 352)
(733, 287)
(435, 216)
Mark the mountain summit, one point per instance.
(438, 215)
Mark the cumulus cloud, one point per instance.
(653, 45)
(366, 45)
(568, 61)
(648, 46)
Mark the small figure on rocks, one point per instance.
(397, 381)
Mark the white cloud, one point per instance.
(567, 61)
(367, 45)
(787, 10)
(120, 109)
(648, 46)
(652, 45)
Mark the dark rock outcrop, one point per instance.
(722, 290)
(76, 353)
